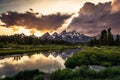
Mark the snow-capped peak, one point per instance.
(70, 36)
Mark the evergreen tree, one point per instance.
(103, 37)
(117, 40)
(91, 43)
(110, 37)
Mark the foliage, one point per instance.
(106, 38)
(19, 49)
(1, 44)
(117, 40)
(21, 39)
(39, 77)
(85, 73)
(105, 56)
(80, 73)
(103, 37)
(27, 75)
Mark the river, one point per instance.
(44, 61)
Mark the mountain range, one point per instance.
(71, 36)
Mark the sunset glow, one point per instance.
(44, 11)
(59, 39)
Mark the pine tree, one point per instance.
(117, 40)
(103, 37)
(110, 40)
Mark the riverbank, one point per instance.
(107, 58)
(19, 49)
(77, 66)
(81, 73)
(103, 56)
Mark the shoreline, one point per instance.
(12, 51)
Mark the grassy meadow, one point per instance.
(19, 49)
(103, 56)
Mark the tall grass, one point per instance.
(104, 56)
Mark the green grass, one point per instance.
(19, 49)
(104, 56)
(81, 73)
(85, 73)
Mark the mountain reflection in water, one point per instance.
(49, 62)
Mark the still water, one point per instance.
(44, 61)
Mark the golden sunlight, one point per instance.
(15, 28)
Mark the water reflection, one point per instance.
(49, 62)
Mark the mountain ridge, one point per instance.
(71, 36)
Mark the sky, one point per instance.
(40, 16)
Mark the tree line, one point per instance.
(21, 39)
(106, 38)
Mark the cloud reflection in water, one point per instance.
(11, 66)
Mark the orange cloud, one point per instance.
(30, 20)
(115, 6)
(15, 28)
(32, 31)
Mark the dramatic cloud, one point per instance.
(94, 18)
(32, 20)
(115, 5)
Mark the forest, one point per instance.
(21, 39)
(106, 38)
